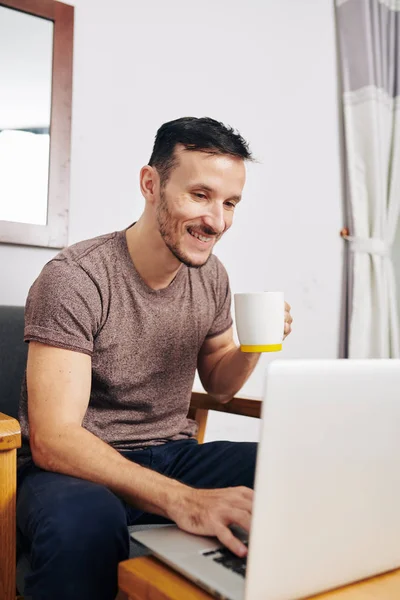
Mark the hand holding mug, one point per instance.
(288, 319)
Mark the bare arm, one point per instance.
(223, 368)
(58, 391)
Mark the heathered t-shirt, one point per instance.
(144, 343)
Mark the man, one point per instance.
(116, 327)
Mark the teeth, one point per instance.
(200, 237)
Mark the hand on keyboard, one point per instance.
(212, 512)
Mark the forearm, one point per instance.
(75, 451)
(231, 373)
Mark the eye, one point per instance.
(230, 205)
(200, 195)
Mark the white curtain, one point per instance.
(369, 50)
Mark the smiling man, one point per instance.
(117, 326)
(198, 200)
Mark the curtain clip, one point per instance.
(372, 246)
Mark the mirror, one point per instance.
(26, 52)
(35, 114)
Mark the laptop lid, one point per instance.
(327, 505)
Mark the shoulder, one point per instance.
(84, 261)
(67, 302)
(87, 251)
(78, 270)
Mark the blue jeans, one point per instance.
(76, 531)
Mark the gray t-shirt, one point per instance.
(144, 344)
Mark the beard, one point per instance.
(169, 231)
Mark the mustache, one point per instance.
(205, 230)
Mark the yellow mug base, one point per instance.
(267, 348)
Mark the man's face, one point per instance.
(197, 204)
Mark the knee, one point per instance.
(77, 533)
(91, 525)
(100, 522)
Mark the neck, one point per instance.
(154, 262)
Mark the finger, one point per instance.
(233, 544)
(247, 492)
(242, 498)
(287, 328)
(288, 308)
(287, 332)
(241, 518)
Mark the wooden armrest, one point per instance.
(10, 440)
(10, 433)
(247, 407)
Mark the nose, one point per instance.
(215, 218)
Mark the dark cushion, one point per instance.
(13, 352)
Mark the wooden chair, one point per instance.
(11, 325)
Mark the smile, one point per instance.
(200, 237)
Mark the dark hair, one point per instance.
(201, 134)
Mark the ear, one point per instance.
(149, 183)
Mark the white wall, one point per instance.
(265, 67)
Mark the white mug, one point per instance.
(260, 321)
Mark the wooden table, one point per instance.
(148, 579)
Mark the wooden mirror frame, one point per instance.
(55, 233)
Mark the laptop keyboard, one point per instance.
(225, 557)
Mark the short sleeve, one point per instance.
(63, 308)
(223, 318)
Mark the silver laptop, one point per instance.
(327, 490)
